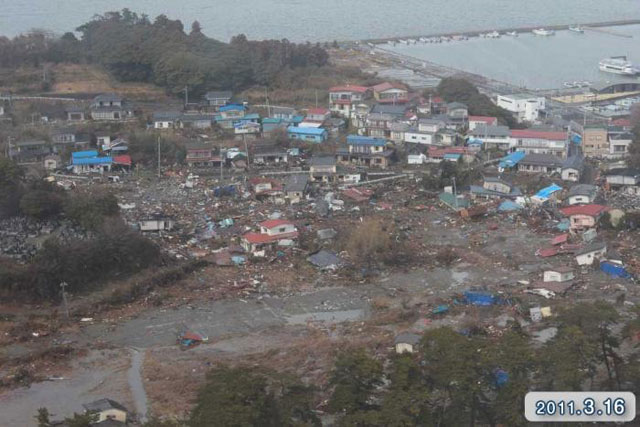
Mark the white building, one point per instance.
(413, 135)
(559, 274)
(525, 107)
(533, 141)
(343, 99)
(619, 145)
(592, 252)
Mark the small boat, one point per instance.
(543, 32)
(512, 33)
(403, 41)
(493, 35)
(576, 29)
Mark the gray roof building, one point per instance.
(322, 161)
(103, 405)
(540, 159)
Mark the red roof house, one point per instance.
(583, 216)
(271, 232)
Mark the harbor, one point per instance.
(564, 63)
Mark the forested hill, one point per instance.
(133, 48)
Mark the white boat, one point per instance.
(576, 29)
(493, 35)
(619, 65)
(543, 32)
(512, 33)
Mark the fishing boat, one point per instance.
(576, 29)
(512, 33)
(493, 35)
(543, 32)
(619, 65)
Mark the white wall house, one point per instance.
(525, 107)
(417, 137)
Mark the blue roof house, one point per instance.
(89, 162)
(316, 135)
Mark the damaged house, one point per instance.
(266, 188)
(582, 217)
(296, 187)
(274, 232)
(199, 154)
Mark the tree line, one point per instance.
(134, 48)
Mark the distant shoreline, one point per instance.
(527, 29)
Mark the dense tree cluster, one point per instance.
(460, 90)
(134, 48)
(110, 249)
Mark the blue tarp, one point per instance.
(238, 260)
(227, 190)
(84, 154)
(479, 298)
(366, 140)
(615, 270)
(546, 192)
(501, 376)
(442, 308)
(511, 160)
(509, 206)
(576, 139)
(564, 225)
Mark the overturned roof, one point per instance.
(325, 259)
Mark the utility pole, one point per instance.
(186, 96)
(63, 285)
(266, 100)
(316, 98)
(246, 149)
(158, 157)
(455, 192)
(222, 160)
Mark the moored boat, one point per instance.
(543, 32)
